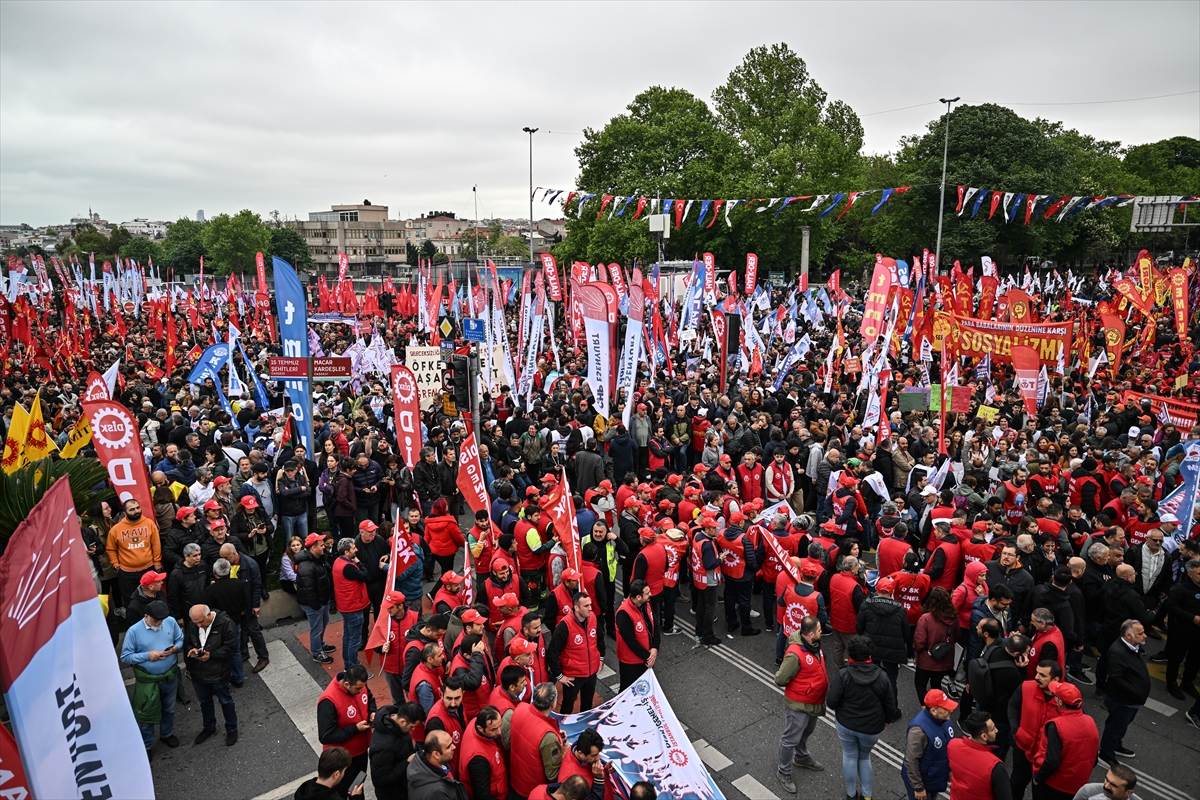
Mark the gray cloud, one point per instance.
(158, 109)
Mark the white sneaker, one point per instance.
(754, 614)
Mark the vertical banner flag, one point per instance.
(1114, 339)
(751, 273)
(553, 284)
(1027, 364)
(989, 285)
(594, 306)
(645, 742)
(406, 406)
(1019, 307)
(1182, 500)
(62, 684)
(627, 372)
(119, 448)
(470, 475)
(262, 271)
(877, 298)
(13, 783)
(561, 508)
(1177, 282)
(710, 279)
(718, 326)
(292, 311)
(618, 279)
(401, 558)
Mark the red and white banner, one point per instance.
(13, 783)
(1182, 415)
(1177, 286)
(119, 447)
(751, 273)
(470, 475)
(260, 263)
(553, 284)
(1027, 364)
(97, 387)
(618, 279)
(561, 508)
(598, 336)
(406, 406)
(877, 301)
(62, 683)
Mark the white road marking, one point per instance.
(753, 789)
(1161, 708)
(714, 758)
(295, 690)
(285, 791)
(605, 673)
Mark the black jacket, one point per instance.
(1183, 603)
(1018, 579)
(390, 750)
(1058, 602)
(314, 581)
(185, 588)
(311, 790)
(589, 471)
(241, 523)
(426, 481)
(1092, 584)
(172, 546)
(1128, 679)
(861, 698)
(210, 549)
(221, 645)
(425, 783)
(293, 494)
(1134, 557)
(1121, 602)
(228, 595)
(885, 621)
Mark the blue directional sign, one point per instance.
(473, 330)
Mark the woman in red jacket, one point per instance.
(443, 535)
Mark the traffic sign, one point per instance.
(445, 327)
(336, 368)
(473, 330)
(282, 369)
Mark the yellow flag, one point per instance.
(79, 437)
(37, 444)
(14, 445)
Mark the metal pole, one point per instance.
(531, 132)
(805, 232)
(473, 382)
(937, 248)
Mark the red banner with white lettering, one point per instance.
(751, 273)
(561, 508)
(262, 271)
(1027, 364)
(553, 284)
(877, 302)
(618, 279)
(1177, 285)
(470, 475)
(406, 408)
(119, 447)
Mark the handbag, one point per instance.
(941, 650)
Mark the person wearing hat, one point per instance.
(184, 531)
(706, 578)
(741, 556)
(251, 526)
(400, 619)
(884, 619)
(945, 560)
(449, 594)
(345, 716)
(926, 768)
(638, 635)
(150, 647)
(150, 588)
(559, 603)
(511, 615)
(534, 543)
(314, 588)
(1067, 748)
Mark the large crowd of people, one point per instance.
(1014, 560)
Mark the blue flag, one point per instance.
(260, 393)
(210, 364)
(292, 311)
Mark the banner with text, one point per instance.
(976, 338)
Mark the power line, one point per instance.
(905, 108)
(1069, 103)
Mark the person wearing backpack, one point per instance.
(995, 676)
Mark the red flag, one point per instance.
(561, 508)
(1027, 364)
(752, 273)
(1114, 340)
(470, 475)
(550, 270)
(996, 197)
(15, 784)
(406, 405)
(961, 189)
(119, 448)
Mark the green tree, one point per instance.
(183, 246)
(288, 244)
(411, 254)
(233, 241)
(142, 250)
(90, 240)
(118, 239)
(428, 249)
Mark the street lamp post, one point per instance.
(937, 248)
(531, 132)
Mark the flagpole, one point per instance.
(937, 248)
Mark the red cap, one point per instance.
(725, 459)
(647, 533)
(632, 502)
(664, 503)
(532, 491)
(520, 646)
(394, 597)
(691, 491)
(212, 504)
(550, 480)
(674, 478)
(641, 407)
(569, 574)
(152, 577)
(471, 615)
(699, 469)
(220, 480)
(810, 569)
(247, 502)
(508, 600)
(367, 525)
(708, 521)
(606, 485)
(312, 539)
(182, 513)
(885, 585)
(1067, 692)
(737, 517)
(451, 577)
(936, 698)
(216, 523)
(645, 487)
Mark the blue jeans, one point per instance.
(856, 760)
(294, 526)
(1120, 716)
(352, 628)
(318, 618)
(205, 693)
(167, 691)
(238, 675)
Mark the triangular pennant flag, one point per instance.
(966, 199)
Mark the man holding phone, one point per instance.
(210, 642)
(150, 647)
(332, 769)
(345, 714)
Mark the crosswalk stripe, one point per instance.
(714, 758)
(754, 790)
(294, 689)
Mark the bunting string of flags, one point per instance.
(1029, 206)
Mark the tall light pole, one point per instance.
(475, 194)
(937, 248)
(531, 132)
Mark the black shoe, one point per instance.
(1194, 719)
(236, 684)
(202, 736)
(266, 595)
(1175, 691)
(1124, 752)
(752, 632)
(778, 661)
(1158, 658)
(231, 738)
(322, 659)
(1080, 678)
(711, 641)
(329, 648)
(171, 741)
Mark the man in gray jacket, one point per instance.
(639, 429)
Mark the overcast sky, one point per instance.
(159, 109)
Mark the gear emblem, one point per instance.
(112, 428)
(403, 387)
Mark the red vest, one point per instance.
(526, 730)
(581, 657)
(474, 699)
(494, 593)
(949, 577)
(452, 599)
(1016, 500)
(838, 501)
(971, 766)
(541, 793)
(891, 554)
(530, 561)
(699, 574)
(910, 590)
(452, 726)
(1080, 743)
(393, 662)
(655, 556)
(475, 745)
(733, 556)
(841, 603)
(796, 607)
(749, 479)
(483, 564)
(423, 674)
(351, 710)
(1036, 711)
(512, 623)
(641, 632)
(977, 551)
(1053, 635)
(502, 700)
(350, 595)
(561, 597)
(1075, 489)
(811, 681)
(771, 566)
(674, 552)
(571, 766)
